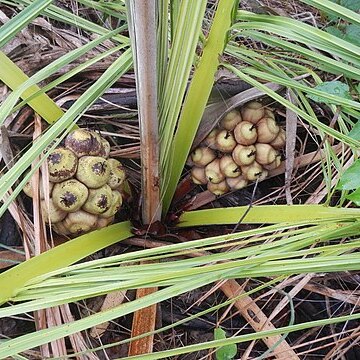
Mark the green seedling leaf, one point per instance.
(355, 131)
(350, 179)
(353, 5)
(334, 30)
(355, 197)
(333, 88)
(352, 34)
(226, 352)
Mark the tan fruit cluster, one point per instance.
(84, 186)
(243, 148)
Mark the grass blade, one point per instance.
(10, 29)
(67, 17)
(32, 340)
(61, 256)
(14, 77)
(196, 99)
(188, 19)
(269, 214)
(298, 31)
(334, 8)
(22, 89)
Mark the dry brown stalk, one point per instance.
(250, 311)
(143, 321)
(111, 300)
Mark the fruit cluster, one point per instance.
(84, 184)
(243, 148)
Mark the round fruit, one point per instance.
(228, 167)
(225, 141)
(198, 175)
(245, 133)
(28, 189)
(218, 189)
(117, 173)
(280, 140)
(105, 148)
(230, 120)
(267, 130)
(265, 153)
(62, 165)
(202, 156)
(213, 172)
(51, 213)
(253, 112)
(210, 139)
(103, 222)
(253, 171)
(80, 222)
(258, 141)
(264, 174)
(70, 195)
(93, 171)
(99, 200)
(237, 183)
(116, 202)
(244, 155)
(275, 164)
(269, 113)
(60, 228)
(84, 142)
(85, 185)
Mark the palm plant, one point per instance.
(186, 42)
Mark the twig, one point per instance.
(248, 209)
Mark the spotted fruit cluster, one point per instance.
(84, 184)
(243, 147)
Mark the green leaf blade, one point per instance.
(269, 214)
(355, 197)
(352, 34)
(355, 131)
(10, 29)
(227, 352)
(336, 88)
(60, 256)
(42, 104)
(196, 100)
(350, 179)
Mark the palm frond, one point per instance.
(196, 100)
